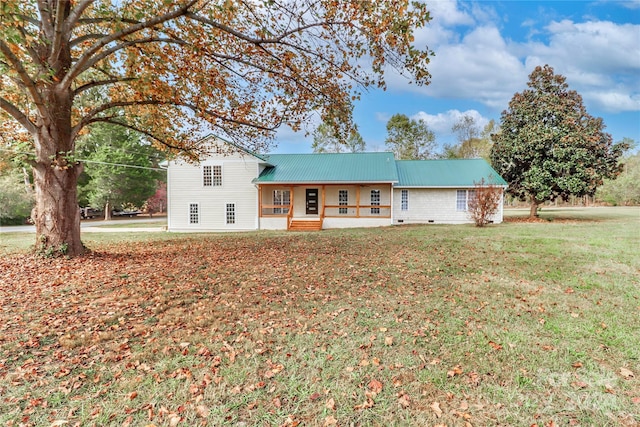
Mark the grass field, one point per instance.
(517, 324)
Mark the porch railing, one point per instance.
(357, 211)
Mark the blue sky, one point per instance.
(484, 53)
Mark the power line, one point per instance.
(97, 162)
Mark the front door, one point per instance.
(312, 201)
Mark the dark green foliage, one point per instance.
(119, 168)
(549, 147)
(16, 198)
(625, 189)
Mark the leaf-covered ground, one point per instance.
(517, 324)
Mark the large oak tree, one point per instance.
(549, 147)
(167, 69)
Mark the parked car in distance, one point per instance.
(119, 212)
(88, 213)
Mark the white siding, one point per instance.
(186, 186)
(428, 205)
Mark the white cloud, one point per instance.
(448, 13)
(480, 67)
(442, 123)
(600, 59)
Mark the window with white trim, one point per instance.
(343, 200)
(375, 201)
(194, 213)
(212, 175)
(231, 213)
(281, 198)
(404, 200)
(462, 199)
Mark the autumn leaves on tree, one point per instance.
(171, 69)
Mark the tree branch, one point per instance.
(86, 37)
(82, 64)
(75, 15)
(97, 83)
(121, 46)
(14, 112)
(56, 43)
(24, 75)
(45, 18)
(142, 131)
(259, 41)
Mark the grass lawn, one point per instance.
(517, 324)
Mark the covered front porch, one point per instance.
(300, 207)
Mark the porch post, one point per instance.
(260, 200)
(358, 201)
(291, 200)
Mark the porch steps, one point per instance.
(305, 225)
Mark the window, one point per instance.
(343, 200)
(404, 200)
(194, 213)
(281, 198)
(231, 213)
(207, 176)
(375, 201)
(211, 175)
(462, 199)
(217, 176)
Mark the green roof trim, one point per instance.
(329, 168)
(446, 173)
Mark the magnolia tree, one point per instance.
(170, 68)
(549, 147)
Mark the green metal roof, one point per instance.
(329, 167)
(446, 173)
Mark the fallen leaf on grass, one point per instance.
(456, 370)
(330, 404)
(609, 389)
(626, 373)
(577, 365)
(388, 341)
(436, 409)
(330, 421)
(367, 404)
(375, 386)
(202, 411)
(404, 400)
(495, 345)
(579, 384)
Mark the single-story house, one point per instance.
(238, 190)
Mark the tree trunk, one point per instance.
(533, 212)
(57, 215)
(107, 211)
